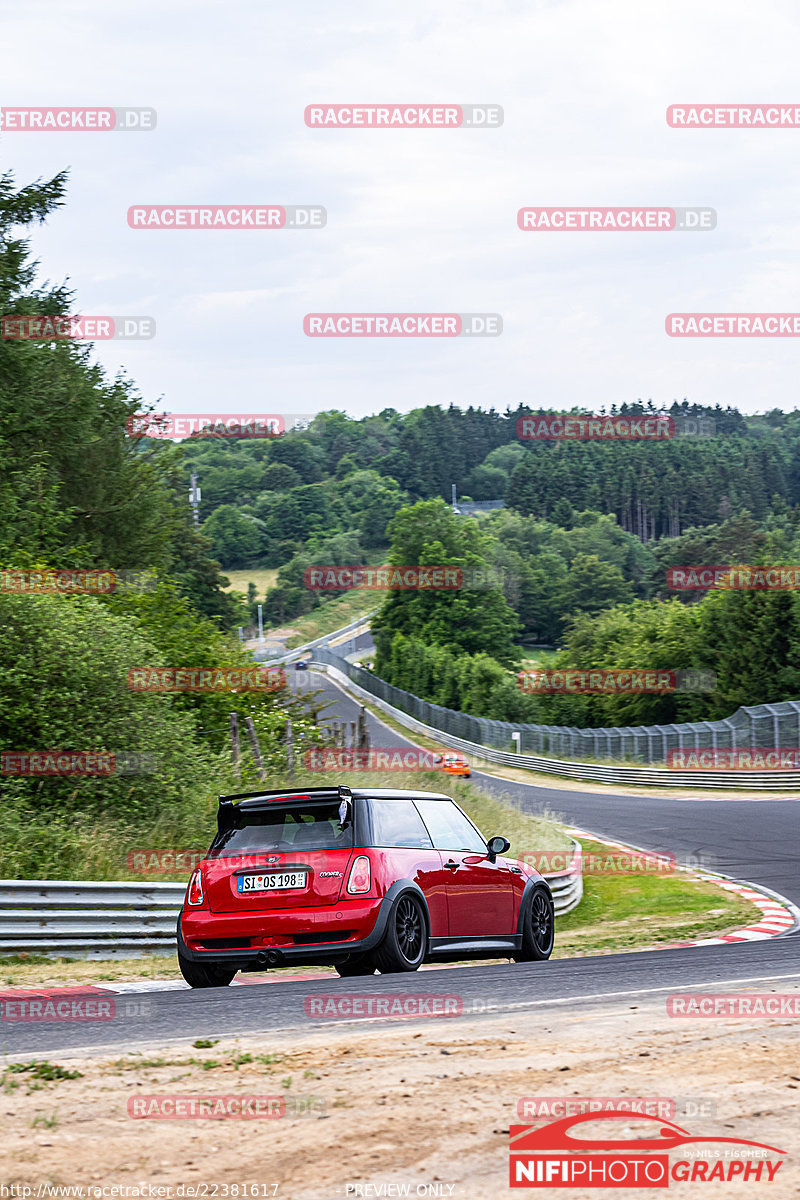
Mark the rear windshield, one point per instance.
(284, 827)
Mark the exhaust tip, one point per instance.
(269, 958)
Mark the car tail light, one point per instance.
(194, 893)
(360, 879)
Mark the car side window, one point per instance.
(396, 823)
(449, 828)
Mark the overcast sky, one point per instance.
(419, 220)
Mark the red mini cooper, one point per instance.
(363, 880)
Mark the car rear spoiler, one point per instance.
(249, 801)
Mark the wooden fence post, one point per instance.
(235, 746)
(254, 746)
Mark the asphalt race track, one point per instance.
(279, 1007)
(755, 841)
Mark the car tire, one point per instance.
(357, 964)
(204, 975)
(538, 927)
(405, 941)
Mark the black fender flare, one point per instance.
(530, 887)
(399, 888)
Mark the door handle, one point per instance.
(452, 865)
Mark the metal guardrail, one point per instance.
(80, 919)
(631, 776)
(753, 727)
(299, 651)
(567, 886)
(76, 919)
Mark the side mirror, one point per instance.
(497, 845)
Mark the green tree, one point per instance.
(592, 585)
(238, 540)
(473, 617)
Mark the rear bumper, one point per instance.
(277, 937)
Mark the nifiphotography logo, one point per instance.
(552, 1156)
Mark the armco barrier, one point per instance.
(77, 919)
(86, 919)
(298, 651)
(345, 674)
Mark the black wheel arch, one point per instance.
(402, 887)
(527, 894)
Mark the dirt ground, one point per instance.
(419, 1108)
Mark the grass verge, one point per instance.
(330, 616)
(262, 577)
(629, 912)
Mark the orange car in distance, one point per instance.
(454, 764)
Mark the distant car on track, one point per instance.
(454, 764)
(302, 664)
(364, 880)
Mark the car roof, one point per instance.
(249, 800)
(396, 794)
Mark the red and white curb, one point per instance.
(779, 915)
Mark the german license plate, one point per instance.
(272, 881)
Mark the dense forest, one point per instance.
(609, 608)
(263, 500)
